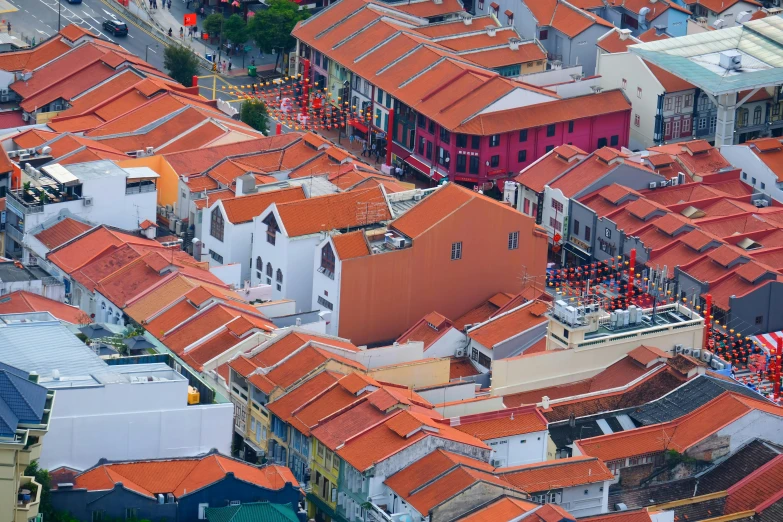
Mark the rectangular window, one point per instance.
(686, 125)
(548, 148)
(607, 233)
(667, 103)
(485, 361)
(624, 83)
(431, 127)
(688, 100)
(523, 135)
(379, 97)
(202, 511)
(388, 101)
(474, 354)
(131, 513)
(759, 319)
(481, 5)
(429, 149)
(678, 104)
(522, 156)
(570, 127)
(543, 35)
(474, 165)
(445, 136)
(702, 123)
(513, 240)
(494, 140)
(550, 130)
(443, 157)
(526, 207)
(587, 233)
(753, 181)
(217, 224)
(763, 185)
(637, 120)
(639, 92)
(475, 142)
(217, 257)
(555, 224)
(614, 140)
(557, 205)
(494, 161)
(456, 251)
(326, 304)
(421, 121)
(461, 162)
(422, 141)
(576, 227)
(462, 140)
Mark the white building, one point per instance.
(287, 238)
(760, 161)
(95, 192)
(729, 14)
(128, 412)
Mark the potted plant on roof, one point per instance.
(44, 197)
(25, 190)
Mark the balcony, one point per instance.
(28, 500)
(14, 233)
(376, 513)
(139, 188)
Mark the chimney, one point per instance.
(467, 20)
(298, 321)
(545, 402)
(624, 34)
(245, 185)
(33, 377)
(513, 43)
(659, 30)
(437, 2)
(491, 30)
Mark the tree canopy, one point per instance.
(271, 28)
(254, 113)
(181, 64)
(213, 25)
(235, 29)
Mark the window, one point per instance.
(513, 240)
(688, 100)
(202, 511)
(526, 206)
(494, 140)
(98, 515)
(279, 276)
(484, 361)
(474, 354)
(742, 117)
(550, 130)
(548, 148)
(431, 127)
(587, 233)
(494, 161)
(522, 156)
(638, 92)
(445, 136)
(326, 304)
(461, 162)
(757, 115)
(475, 142)
(704, 103)
(587, 491)
(763, 185)
(217, 224)
(443, 157)
(543, 35)
(335, 463)
(702, 123)
(624, 83)
(474, 165)
(678, 104)
(510, 19)
(636, 120)
(713, 123)
(565, 334)
(555, 224)
(271, 228)
(421, 121)
(327, 260)
(131, 513)
(379, 95)
(686, 124)
(319, 449)
(456, 251)
(462, 140)
(759, 319)
(259, 263)
(744, 175)
(217, 257)
(601, 143)
(576, 227)
(523, 441)
(570, 127)
(422, 141)
(557, 205)
(269, 270)
(753, 181)
(429, 150)
(523, 135)
(607, 233)
(667, 103)
(481, 5)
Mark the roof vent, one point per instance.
(437, 2)
(624, 34)
(467, 20)
(513, 43)
(491, 30)
(731, 60)
(56, 374)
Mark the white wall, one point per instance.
(519, 449)
(551, 194)
(236, 245)
(230, 273)
(581, 504)
(470, 407)
(448, 344)
(6, 79)
(384, 356)
(323, 285)
(742, 157)
(106, 311)
(132, 421)
(457, 391)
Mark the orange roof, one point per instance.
(427, 9)
(503, 423)
(61, 233)
(455, 27)
(615, 42)
(22, 302)
(553, 474)
(181, 477)
(647, 354)
(201, 183)
(510, 324)
(679, 434)
(626, 516)
(74, 255)
(505, 508)
(551, 166)
(396, 434)
(334, 211)
(31, 59)
(541, 114)
(573, 21)
(670, 82)
(350, 245)
(461, 367)
(244, 208)
(162, 296)
(285, 406)
(427, 330)
(758, 490)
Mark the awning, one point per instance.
(418, 165)
(576, 251)
(140, 173)
(356, 124)
(437, 176)
(768, 341)
(60, 174)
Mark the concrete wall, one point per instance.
(586, 500)
(132, 421)
(520, 343)
(765, 302)
(742, 157)
(469, 498)
(469, 407)
(168, 181)
(448, 344)
(420, 373)
(519, 449)
(81, 504)
(449, 392)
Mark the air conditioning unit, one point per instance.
(696, 353)
(653, 184)
(687, 351)
(677, 348)
(57, 107)
(496, 463)
(762, 203)
(150, 151)
(4, 91)
(716, 364)
(706, 356)
(12, 153)
(4, 98)
(674, 181)
(139, 153)
(87, 201)
(460, 353)
(25, 116)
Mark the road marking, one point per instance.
(151, 49)
(110, 14)
(42, 32)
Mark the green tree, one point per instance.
(213, 25)
(271, 28)
(254, 113)
(42, 477)
(235, 30)
(181, 64)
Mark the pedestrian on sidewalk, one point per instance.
(169, 5)
(364, 148)
(229, 65)
(181, 30)
(9, 27)
(170, 32)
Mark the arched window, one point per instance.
(269, 269)
(742, 117)
(327, 260)
(279, 276)
(217, 224)
(259, 264)
(271, 228)
(757, 115)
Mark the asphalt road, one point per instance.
(39, 18)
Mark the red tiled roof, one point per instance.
(500, 424)
(181, 476)
(651, 35)
(510, 324)
(244, 208)
(560, 473)
(61, 233)
(626, 516)
(615, 42)
(669, 81)
(22, 302)
(350, 245)
(505, 508)
(74, 255)
(757, 490)
(547, 169)
(428, 329)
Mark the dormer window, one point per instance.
(327, 260)
(217, 225)
(271, 228)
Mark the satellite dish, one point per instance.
(743, 17)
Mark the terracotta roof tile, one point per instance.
(560, 473)
(510, 324)
(162, 296)
(757, 489)
(337, 430)
(573, 21)
(61, 233)
(433, 209)
(201, 183)
(505, 423)
(546, 170)
(613, 42)
(350, 245)
(505, 508)
(626, 516)
(22, 302)
(31, 59)
(76, 254)
(244, 208)
(285, 406)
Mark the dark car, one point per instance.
(115, 27)
(74, 1)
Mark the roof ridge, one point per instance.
(752, 476)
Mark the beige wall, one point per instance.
(168, 181)
(470, 407)
(420, 373)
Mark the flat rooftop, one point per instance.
(696, 57)
(664, 318)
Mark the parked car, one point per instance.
(74, 1)
(115, 27)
